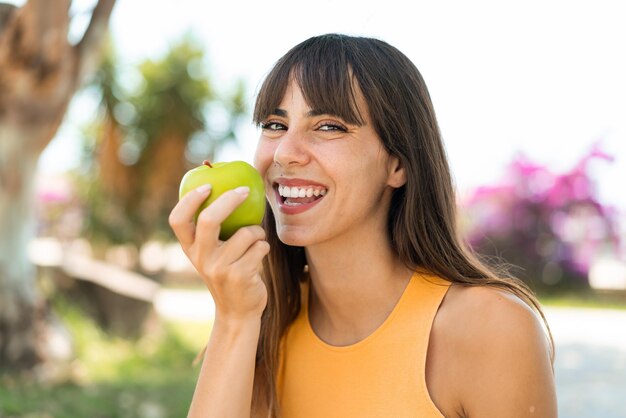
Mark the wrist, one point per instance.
(236, 323)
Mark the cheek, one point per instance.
(264, 156)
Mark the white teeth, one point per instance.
(300, 192)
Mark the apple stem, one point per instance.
(207, 162)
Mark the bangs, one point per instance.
(322, 68)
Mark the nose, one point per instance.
(291, 150)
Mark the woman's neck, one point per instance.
(355, 284)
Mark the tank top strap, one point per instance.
(422, 300)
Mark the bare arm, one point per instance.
(230, 269)
(507, 371)
(224, 387)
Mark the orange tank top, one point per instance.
(382, 375)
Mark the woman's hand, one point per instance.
(230, 269)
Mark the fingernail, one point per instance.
(204, 189)
(242, 190)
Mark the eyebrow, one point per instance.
(310, 113)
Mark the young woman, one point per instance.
(368, 304)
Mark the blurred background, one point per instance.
(101, 315)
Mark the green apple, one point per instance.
(223, 177)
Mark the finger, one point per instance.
(212, 217)
(181, 218)
(240, 242)
(251, 259)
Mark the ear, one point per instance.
(397, 174)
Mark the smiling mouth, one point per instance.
(295, 196)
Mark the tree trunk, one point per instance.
(19, 304)
(39, 73)
(166, 165)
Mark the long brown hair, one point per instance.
(422, 220)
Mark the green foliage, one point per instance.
(173, 94)
(106, 218)
(112, 377)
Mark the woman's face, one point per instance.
(324, 178)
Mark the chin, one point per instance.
(292, 239)
(295, 237)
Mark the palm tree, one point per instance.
(148, 138)
(40, 70)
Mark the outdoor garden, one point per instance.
(82, 332)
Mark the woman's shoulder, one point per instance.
(477, 301)
(478, 317)
(493, 346)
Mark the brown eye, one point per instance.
(273, 126)
(326, 126)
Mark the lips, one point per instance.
(298, 195)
